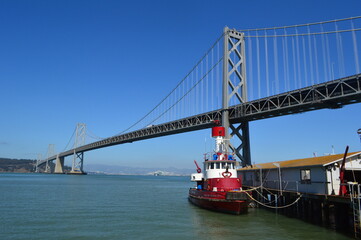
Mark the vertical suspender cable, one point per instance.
(194, 99)
(258, 67)
(298, 60)
(218, 79)
(316, 59)
(174, 107)
(250, 69)
(328, 58)
(266, 57)
(355, 50)
(189, 96)
(325, 72)
(200, 87)
(207, 85)
(342, 58)
(204, 86)
(310, 55)
(184, 90)
(207, 91)
(275, 59)
(287, 62)
(196, 91)
(284, 64)
(212, 82)
(185, 99)
(341, 72)
(294, 63)
(181, 106)
(176, 103)
(304, 61)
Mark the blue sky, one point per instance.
(107, 63)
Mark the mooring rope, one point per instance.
(267, 198)
(251, 189)
(265, 205)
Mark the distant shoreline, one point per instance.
(9, 165)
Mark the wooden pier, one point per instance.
(330, 211)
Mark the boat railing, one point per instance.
(214, 156)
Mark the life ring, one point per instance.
(226, 174)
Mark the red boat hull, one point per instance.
(217, 201)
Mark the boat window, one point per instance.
(223, 165)
(232, 165)
(212, 165)
(217, 165)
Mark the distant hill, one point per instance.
(23, 165)
(17, 165)
(28, 165)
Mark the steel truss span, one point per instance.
(333, 94)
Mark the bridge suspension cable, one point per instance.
(288, 62)
(182, 97)
(281, 59)
(300, 25)
(90, 134)
(66, 147)
(199, 91)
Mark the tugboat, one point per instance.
(218, 187)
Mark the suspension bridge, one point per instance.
(247, 75)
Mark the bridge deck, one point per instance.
(332, 94)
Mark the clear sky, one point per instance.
(107, 63)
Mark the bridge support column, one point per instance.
(37, 163)
(77, 167)
(51, 152)
(59, 165)
(47, 167)
(235, 91)
(243, 149)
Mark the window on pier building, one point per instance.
(305, 176)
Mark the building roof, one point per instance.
(314, 161)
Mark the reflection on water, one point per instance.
(257, 224)
(43, 206)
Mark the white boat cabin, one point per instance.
(316, 175)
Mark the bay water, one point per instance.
(47, 206)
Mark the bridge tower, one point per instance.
(37, 163)
(51, 152)
(77, 166)
(235, 91)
